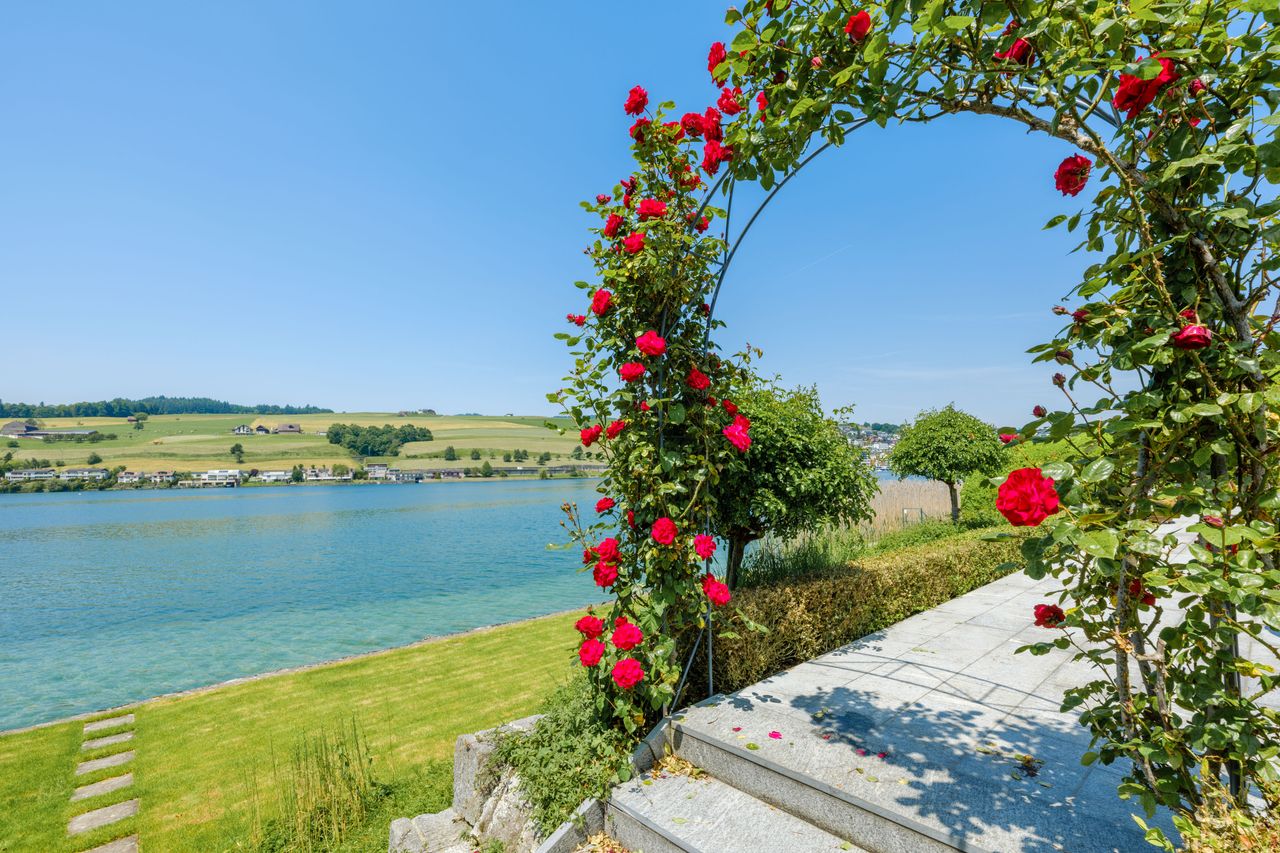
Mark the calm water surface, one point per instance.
(109, 597)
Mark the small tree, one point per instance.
(237, 450)
(475, 454)
(799, 473)
(94, 459)
(450, 454)
(486, 470)
(298, 474)
(506, 457)
(946, 445)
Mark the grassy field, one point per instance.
(204, 766)
(201, 442)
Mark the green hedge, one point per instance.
(808, 618)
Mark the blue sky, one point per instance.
(375, 206)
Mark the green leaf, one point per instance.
(1098, 470)
(1098, 543)
(1057, 470)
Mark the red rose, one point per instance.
(600, 302)
(651, 344)
(576, 319)
(1079, 315)
(615, 428)
(1072, 174)
(713, 154)
(711, 402)
(715, 591)
(637, 100)
(590, 627)
(605, 504)
(1189, 314)
(625, 635)
(692, 124)
(651, 208)
(858, 27)
(704, 546)
(644, 407)
(1027, 497)
(697, 380)
(591, 652)
(607, 550)
(714, 57)
(1007, 437)
(729, 407)
(737, 433)
(1039, 411)
(626, 200)
(631, 518)
(1049, 616)
(628, 184)
(674, 128)
(703, 224)
(633, 243)
(1134, 94)
(591, 434)
(1191, 336)
(762, 104)
(1196, 87)
(627, 673)
(815, 62)
(605, 574)
(711, 124)
(1139, 593)
(664, 531)
(612, 224)
(637, 130)
(728, 101)
(1020, 53)
(631, 371)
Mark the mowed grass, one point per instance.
(201, 442)
(204, 766)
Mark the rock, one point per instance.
(504, 817)
(443, 832)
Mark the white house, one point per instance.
(85, 473)
(275, 476)
(125, 478)
(243, 429)
(376, 470)
(159, 477)
(221, 477)
(31, 474)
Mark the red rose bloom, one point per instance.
(631, 518)
(637, 100)
(638, 129)
(664, 531)
(1020, 52)
(600, 302)
(644, 407)
(1196, 87)
(605, 504)
(728, 101)
(1027, 497)
(1049, 616)
(730, 407)
(674, 128)
(1080, 315)
(815, 62)
(737, 433)
(715, 591)
(651, 344)
(714, 57)
(703, 224)
(711, 124)
(612, 224)
(1072, 174)
(692, 124)
(651, 208)
(713, 154)
(615, 428)
(1140, 593)
(1039, 411)
(858, 27)
(591, 652)
(603, 199)
(1189, 314)
(590, 627)
(631, 371)
(605, 574)
(633, 243)
(762, 104)
(576, 319)
(627, 673)
(1134, 94)
(607, 550)
(1191, 336)
(704, 546)
(625, 635)
(697, 380)
(590, 434)
(1007, 437)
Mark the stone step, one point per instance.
(128, 844)
(99, 763)
(101, 817)
(109, 723)
(106, 786)
(430, 833)
(109, 740)
(664, 813)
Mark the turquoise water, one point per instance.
(110, 597)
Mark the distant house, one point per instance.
(17, 429)
(262, 430)
(295, 429)
(126, 478)
(159, 477)
(243, 429)
(220, 477)
(131, 420)
(31, 474)
(84, 474)
(275, 476)
(376, 471)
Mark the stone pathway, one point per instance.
(112, 809)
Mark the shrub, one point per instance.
(807, 618)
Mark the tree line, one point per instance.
(383, 440)
(122, 407)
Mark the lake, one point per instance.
(112, 597)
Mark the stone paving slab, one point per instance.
(109, 723)
(109, 740)
(106, 786)
(128, 844)
(99, 763)
(101, 817)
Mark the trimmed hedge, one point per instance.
(807, 618)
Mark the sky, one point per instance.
(376, 207)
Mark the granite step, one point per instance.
(665, 813)
(99, 818)
(108, 740)
(106, 786)
(441, 832)
(99, 763)
(128, 844)
(109, 723)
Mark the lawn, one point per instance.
(204, 761)
(201, 442)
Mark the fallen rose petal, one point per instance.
(776, 735)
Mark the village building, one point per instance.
(31, 474)
(275, 476)
(159, 477)
(126, 478)
(261, 429)
(243, 429)
(282, 429)
(376, 470)
(84, 474)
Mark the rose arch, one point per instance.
(1166, 361)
